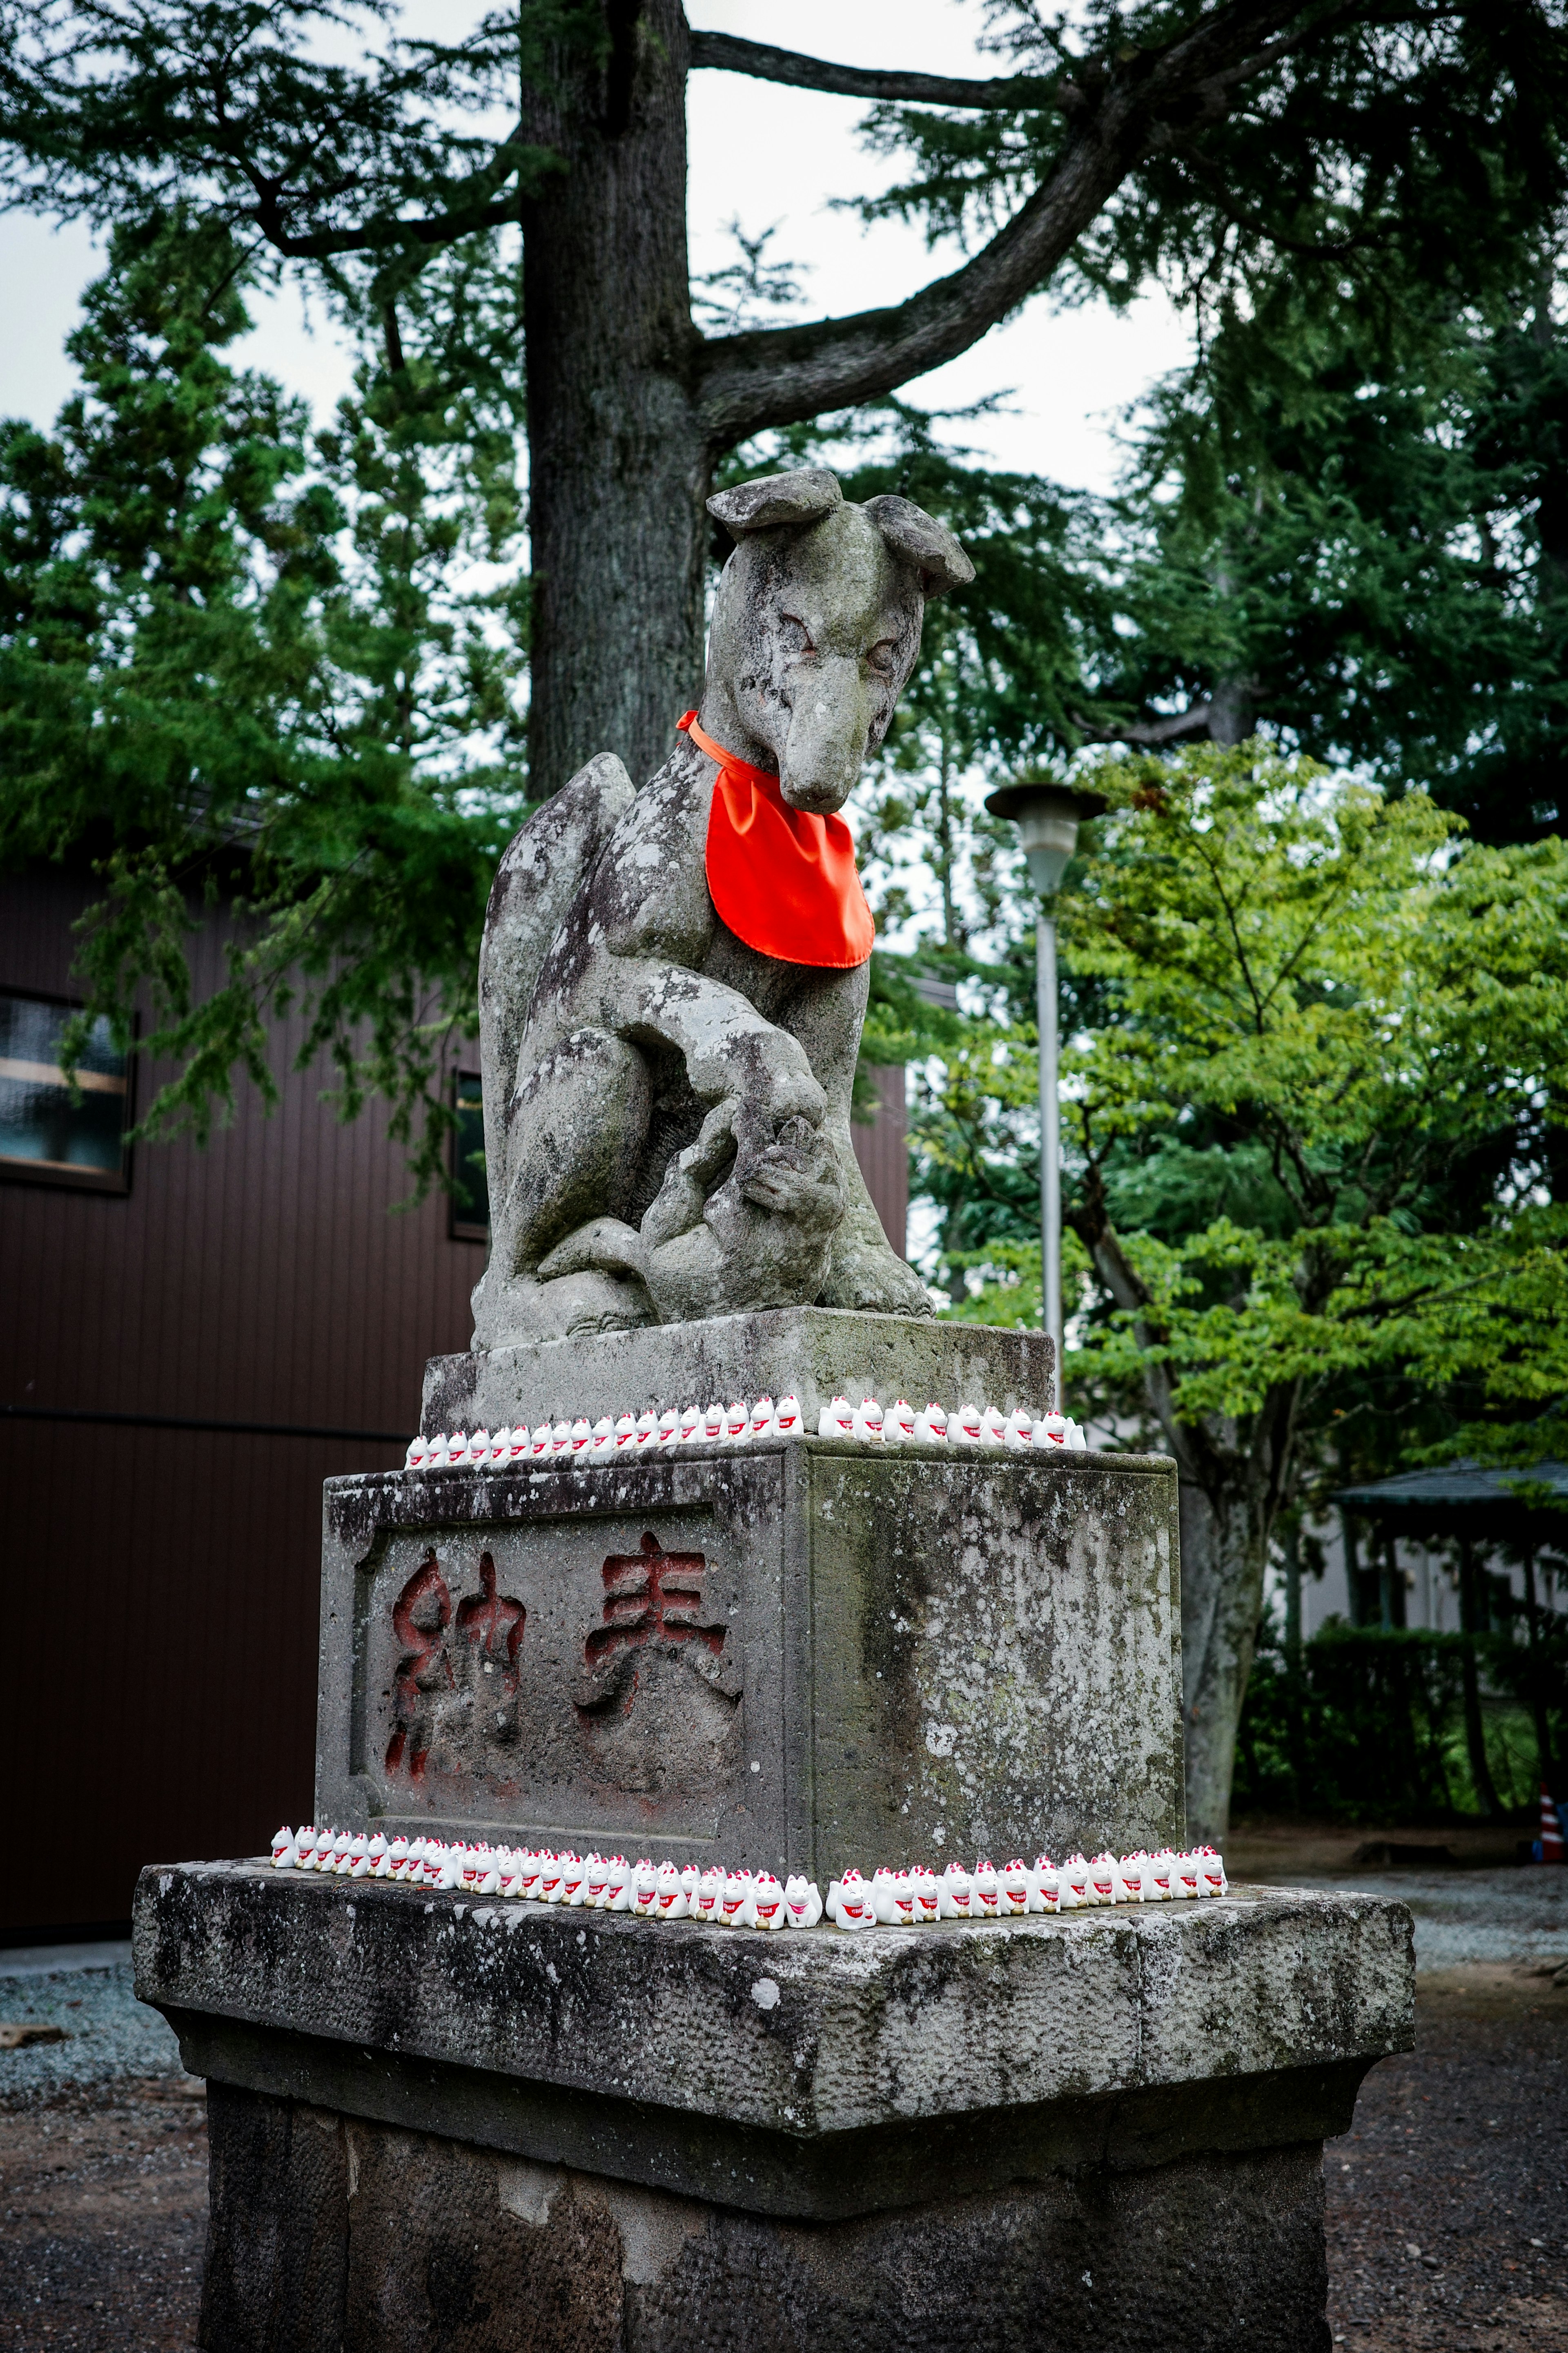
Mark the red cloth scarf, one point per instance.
(782, 879)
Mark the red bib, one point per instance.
(782, 879)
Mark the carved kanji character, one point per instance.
(653, 1606)
(653, 1596)
(420, 1616)
(434, 1691)
(492, 1623)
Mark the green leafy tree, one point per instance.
(235, 668)
(1313, 1117)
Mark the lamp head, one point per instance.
(1048, 818)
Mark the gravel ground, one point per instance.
(110, 2035)
(1447, 2201)
(1464, 1916)
(103, 2195)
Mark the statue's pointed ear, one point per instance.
(911, 533)
(799, 498)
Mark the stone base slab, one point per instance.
(816, 1353)
(330, 2235)
(808, 2076)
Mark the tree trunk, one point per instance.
(1232, 1478)
(1225, 1546)
(1475, 1729)
(1353, 1557)
(1294, 1662)
(1292, 1549)
(1538, 1706)
(619, 460)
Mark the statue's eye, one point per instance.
(883, 658)
(794, 635)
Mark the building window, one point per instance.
(47, 1136)
(470, 1195)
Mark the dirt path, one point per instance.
(1448, 2200)
(103, 2200)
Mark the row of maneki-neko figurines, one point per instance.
(743, 1899)
(1017, 1432)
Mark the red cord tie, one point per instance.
(782, 879)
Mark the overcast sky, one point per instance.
(768, 155)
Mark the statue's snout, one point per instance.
(828, 727)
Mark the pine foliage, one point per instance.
(239, 668)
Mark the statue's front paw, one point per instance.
(605, 1245)
(878, 1284)
(795, 1177)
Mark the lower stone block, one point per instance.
(437, 2124)
(277, 2235)
(329, 2232)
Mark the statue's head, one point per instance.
(816, 625)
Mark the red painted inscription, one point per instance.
(452, 1686)
(652, 1596)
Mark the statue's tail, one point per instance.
(546, 864)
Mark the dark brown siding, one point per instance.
(160, 1585)
(882, 1148)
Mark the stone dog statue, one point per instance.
(667, 1110)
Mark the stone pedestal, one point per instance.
(437, 2124)
(789, 1655)
(816, 1353)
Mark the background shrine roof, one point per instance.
(1461, 1488)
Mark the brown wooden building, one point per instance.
(190, 1342)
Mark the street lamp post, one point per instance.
(1048, 817)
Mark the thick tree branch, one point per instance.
(485, 208)
(777, 375)
(727, 53)
(1152, 733)
(438, 228)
